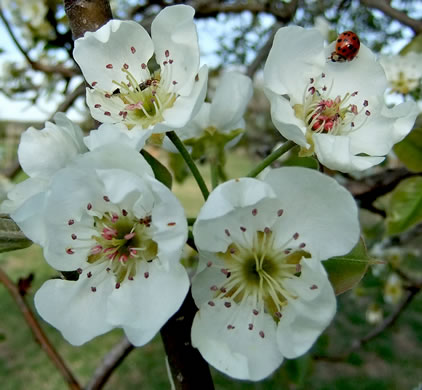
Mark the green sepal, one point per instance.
(11, 237)
(295, 160)
(161, 173)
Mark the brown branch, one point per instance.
(38, 333)
(282, 11)
(87, 15)
(110, 362)
(263, 52)
(188, 369)
(388, 322)
(70, 99)
(369, 189)
(400, 16)
(35, 65)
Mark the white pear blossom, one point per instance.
(333, 109)
(41, 154)
(114, 61)
(404, 72)
(261, 289)
(102, 213)
(107, 218)
(224, 115)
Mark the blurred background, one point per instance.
(375, 341)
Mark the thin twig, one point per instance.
(263, 52)
(110, 362)
(38, 333)
(384, 325)
(395, 14)
(70, 99)
(388, 322)
(46, 68)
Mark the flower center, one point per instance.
(323, 113)
(257, 273)
(403, 84)
(142, 102)
(120, 240)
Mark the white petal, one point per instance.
(185, 107)
(74, 309)
(296, 56)
(116, 43)
(113, 156)
(116, 134)
(335, 152)
(232, 194)
(364, 74)
(173, 30)
(41, 153)
(238, 352)
(105, 108)
(146, 303)
(207, 277)
(230, 100)
(285, 120)
(323, 213)
(305, 318)
(29, 217)
(21, 192)
(168, 222)
(196, 127)
(385, 127)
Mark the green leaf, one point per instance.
(11, 238)
(409, 151)
(160, 171)
(405, 207)
(346, 271)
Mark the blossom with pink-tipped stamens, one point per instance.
(123, 88)
(335, 110)
(123, 232)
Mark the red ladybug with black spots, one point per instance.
(347, 47)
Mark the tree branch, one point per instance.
(110, 362)
(188, 369)
(400, 16)
(38, 333)
(388, 322)
(369, 189)
(263, 52)
(384, 325)
(87, 15)
(46, 68)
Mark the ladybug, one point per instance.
(347, 47)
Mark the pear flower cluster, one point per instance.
(101, 216)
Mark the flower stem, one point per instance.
(214, 175)
(189, 162)
(271, 158)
